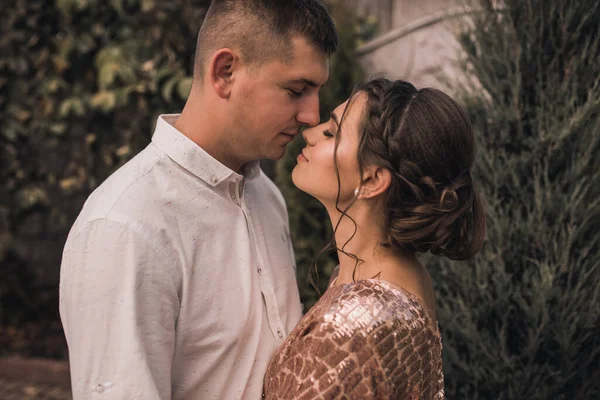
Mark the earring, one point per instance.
(356, 192)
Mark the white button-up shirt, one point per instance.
(177, 279)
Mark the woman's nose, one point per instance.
(306, 135)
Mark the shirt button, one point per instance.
(259, 270)
(280, 334)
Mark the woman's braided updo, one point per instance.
(426, 140)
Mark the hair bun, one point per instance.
(442, 221)
(425, 139)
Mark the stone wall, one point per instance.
(416, 40)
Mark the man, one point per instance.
(177, 278)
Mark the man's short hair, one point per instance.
(262, 30)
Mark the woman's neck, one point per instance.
(359, 235)
(362, 237)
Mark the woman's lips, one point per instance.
(302, 157)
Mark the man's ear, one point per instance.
(376, 180)
(220, 71)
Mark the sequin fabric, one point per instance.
(363, 340)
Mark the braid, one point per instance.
(427, 209)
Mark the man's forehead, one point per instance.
(309, 64)
(312, 73)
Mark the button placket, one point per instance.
(266, 287)
(281, 332)
(241, 190)
(233, 193)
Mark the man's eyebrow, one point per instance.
(305, 81)
(335, 119)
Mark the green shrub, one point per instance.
(81, 84)
(522, 320)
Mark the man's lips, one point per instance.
(289, 136)
(294, 133)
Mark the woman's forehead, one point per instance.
(352, 111)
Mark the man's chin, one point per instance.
(276, 154)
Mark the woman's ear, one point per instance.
(376, 180)
(220, 71)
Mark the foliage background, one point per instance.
(521, 321)
(82, 82)
(81, 85)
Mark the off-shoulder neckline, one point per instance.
(395, 287)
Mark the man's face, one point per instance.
(270, 103)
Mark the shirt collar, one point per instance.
(194, 158)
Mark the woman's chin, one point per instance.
(298, 182)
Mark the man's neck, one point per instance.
(200, 127)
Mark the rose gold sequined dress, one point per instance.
(363, 340)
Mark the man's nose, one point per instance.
(309, 111)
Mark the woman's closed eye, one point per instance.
(327, 133)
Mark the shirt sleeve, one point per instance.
(331, 362)
(119, 302)
(318, 367)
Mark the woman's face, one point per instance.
(315, 171)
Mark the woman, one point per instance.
(392, 168)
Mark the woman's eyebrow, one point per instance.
(335, 119)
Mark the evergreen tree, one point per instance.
(522, 320)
